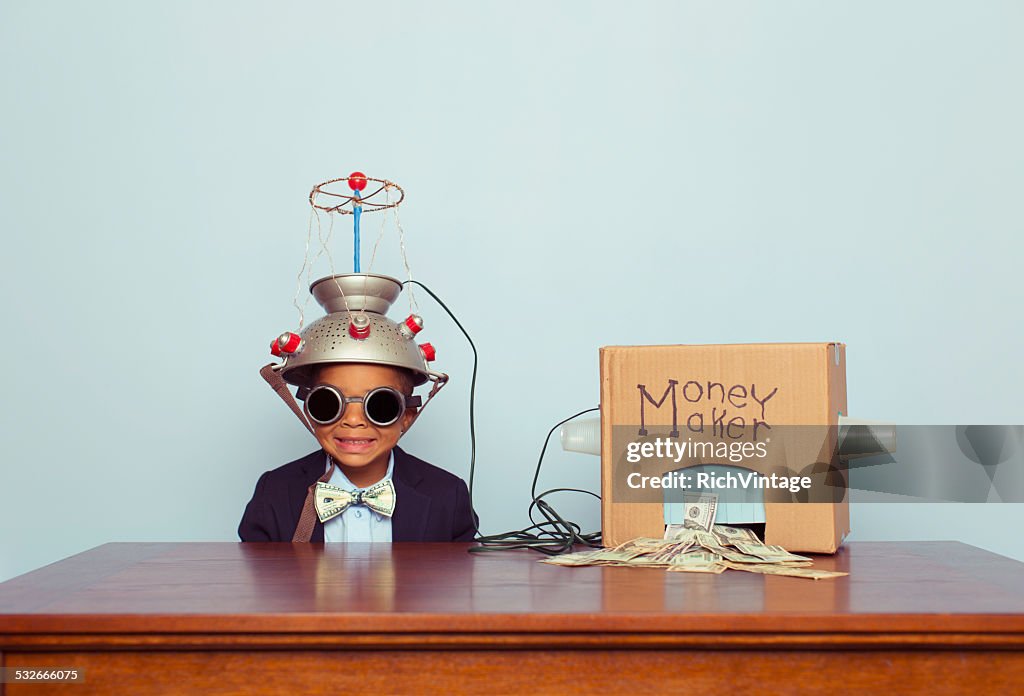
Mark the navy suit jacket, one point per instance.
(431, 504)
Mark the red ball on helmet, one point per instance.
(357, 181)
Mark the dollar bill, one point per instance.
(698, 551)
(773, 569)
(698, 562)
(650, 542)
(576, 558)
(771, 554)
(716, 568)
(677, 532)
(673, 554)
(739, 557)
(699, 510)
(729, 535)
(645, 552)
(670, 553)
(627, 551)
(709, 541)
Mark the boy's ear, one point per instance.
(408, 418)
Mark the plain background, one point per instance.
(578, 174)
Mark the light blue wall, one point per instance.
(578, 174)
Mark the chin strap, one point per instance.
(439, 379)
(278, 384)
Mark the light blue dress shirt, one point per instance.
(358, 522)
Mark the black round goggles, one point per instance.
(382, 406)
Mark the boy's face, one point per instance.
(354, 441)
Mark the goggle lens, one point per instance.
(324, 405)
(382, 406)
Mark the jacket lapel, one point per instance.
(412, 508)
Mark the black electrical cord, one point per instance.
(472, 390)
(553, 536)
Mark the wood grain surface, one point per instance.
(430, 618)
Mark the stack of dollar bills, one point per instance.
(700, 546)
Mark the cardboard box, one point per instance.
(703, 394)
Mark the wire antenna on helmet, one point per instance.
(356, 328)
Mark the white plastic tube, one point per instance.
(582, 436)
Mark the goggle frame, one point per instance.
(343, 401)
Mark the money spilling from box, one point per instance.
(700, 546)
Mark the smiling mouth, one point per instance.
(354, 444)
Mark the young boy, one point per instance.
(371, 489)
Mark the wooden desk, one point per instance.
(228, 618)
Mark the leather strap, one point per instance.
(307, 520)
(278, 384)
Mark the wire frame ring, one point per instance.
(340, 200)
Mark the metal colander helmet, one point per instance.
(355, 330)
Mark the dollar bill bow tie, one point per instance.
(331, 500)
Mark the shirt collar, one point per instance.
(338, 478)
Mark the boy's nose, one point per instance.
(354, 416)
